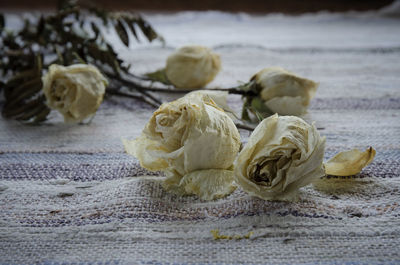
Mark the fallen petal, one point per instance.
(350, 162)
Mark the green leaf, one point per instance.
(260, 109)
(159, 76)
(245, 110)
(121, 31)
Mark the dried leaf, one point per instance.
(15, 110)
(121, 31)
(60, 57)
(348, 163)
(25, 91)
(27, 74)
(42, 116)
(2, 22)
(159, 76)
(147, 30)
(31, 113)
(131, 24)
(95, 29)
(40, 26)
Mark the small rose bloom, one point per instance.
(76, 91)
(194, 143)
(283, 154)
(192, 67)
(284, 92)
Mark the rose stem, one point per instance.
(122, 94)
(232, 90)
(244, 127)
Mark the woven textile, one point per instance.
(69, 194)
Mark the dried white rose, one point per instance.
(283, 154)
(76, 91)
(194, 142)
(284, 92)
(192, 67)
(219, 97)
(350, 162)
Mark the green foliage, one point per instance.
(159, 76)
(254, 109)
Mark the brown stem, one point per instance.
(122, 94)
(244, 127)
(136, 85)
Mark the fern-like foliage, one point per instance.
(74, 34)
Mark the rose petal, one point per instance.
(192, 67)
(208, 184)
(76, 91)
(285, 92)
(287, 105)
(145, 150)
(191, 134)
(350, 162)
(293, 151)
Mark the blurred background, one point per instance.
(251, 6)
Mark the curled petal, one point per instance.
(192, 141)
(220, 98)
(148, 152)
(350, 162)
(283, 154)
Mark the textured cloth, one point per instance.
(69, 194)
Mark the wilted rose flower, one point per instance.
(284, 92)
(350, 162)
(192, 67)
(194, 142)
(283, 154)
(76, 91)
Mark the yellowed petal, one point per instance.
(350, 162)
(286, 105)
(148, 152)
(219, 97)
(285, 92)
(283, 154)
(194, 142)
(209, 184)
(76, 91)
